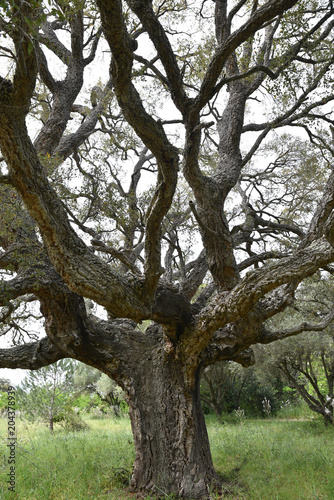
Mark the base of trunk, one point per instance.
(171, 442)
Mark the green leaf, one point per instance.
(30, 47)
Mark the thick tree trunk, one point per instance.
(171, 441)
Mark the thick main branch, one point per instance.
(31, 356)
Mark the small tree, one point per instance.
(110, 393)
(307, 364)
(46, 393)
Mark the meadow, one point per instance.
(258, 459)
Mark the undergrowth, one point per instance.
(264, 459)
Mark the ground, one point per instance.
(288, 458)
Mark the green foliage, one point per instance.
(85, 377)
(252, 459)
(47, 394)
(4, 383)
(297, 77)
(86, 401)
(289, 185)
(307, 361)
(34, 14)
(226, 387)
(97, 391)
(71, 421)
(3, 402)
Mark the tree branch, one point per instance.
(255, 259)
(31, 356)
(230, 307)
(150, 131)
(267, 336)
(84, 272)
(144, 11)
(64, 92)
(69, 144)
(261, 16)
(321, 219)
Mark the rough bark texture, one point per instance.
(171, 442)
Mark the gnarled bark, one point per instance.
(171, 441)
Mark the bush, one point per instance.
(73, 422)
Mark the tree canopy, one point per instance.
(165, 187)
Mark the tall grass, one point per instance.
(275, 460)
(90, 464)
(257, 460)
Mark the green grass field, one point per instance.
(283, 459)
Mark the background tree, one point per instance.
(47, 393)
(89, 380)
(93, 197)
(217, 382)
(307, 361)
(4, 383)
(227, 386)
(307, 364)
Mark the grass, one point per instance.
(66, 465)
(276, 459)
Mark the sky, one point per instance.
(15, 376)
